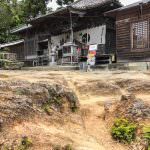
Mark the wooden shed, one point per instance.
(132, 32)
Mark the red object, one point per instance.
(92, 52)
(79, 49)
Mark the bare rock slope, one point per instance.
(59, 109)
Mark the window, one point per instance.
(140, 35)
(86, 38)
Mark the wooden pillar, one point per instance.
(49, 50)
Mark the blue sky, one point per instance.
(125, 2)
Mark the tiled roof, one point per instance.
(87, 4)
(79, 5)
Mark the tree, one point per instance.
(9, 17)
(64, 2)
(32, 8)
(16, 12)
(5, 21)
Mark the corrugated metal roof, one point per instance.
(11, 43)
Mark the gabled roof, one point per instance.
(87, 4)
(129, 6)
(79, 5)
(11, 43)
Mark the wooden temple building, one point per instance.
(66, 35)
(104, 28)
(132, 32)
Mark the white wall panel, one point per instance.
(97, 36)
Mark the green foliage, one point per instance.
(11, 15)
(123, 130)
(33, 8)
(17, 12)
(146, 131)
(25, 143)
(47, 109)
(68, 147)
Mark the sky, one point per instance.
(125, 2)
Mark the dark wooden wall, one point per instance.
(110, 37)
(18, 50)
(124, 20)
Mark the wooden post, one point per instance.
(71, 27)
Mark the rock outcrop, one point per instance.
(19, 99)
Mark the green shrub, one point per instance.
(25, 144)
(68, 147)
(146, 131)
(47, 109)
(123, 130)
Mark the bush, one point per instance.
(123, 130)
(68, 147)
(25, 144)
(47, 109)
(146, 131)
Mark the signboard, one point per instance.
(91, 58)
(93, 47)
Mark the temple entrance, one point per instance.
(42, 53)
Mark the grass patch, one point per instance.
(146, 131)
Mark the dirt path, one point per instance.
(88, 131)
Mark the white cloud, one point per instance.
(125, 2)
